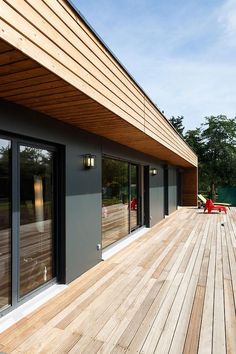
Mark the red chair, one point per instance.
(209, 206)
(133, 204)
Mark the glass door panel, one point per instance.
(5, 224)
(115, 207)
(134, 197)
(36, 237)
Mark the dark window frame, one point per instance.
(142, 219)
(58, 208)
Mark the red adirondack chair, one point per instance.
(209, 206)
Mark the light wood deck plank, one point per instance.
(205, 342)
(171, 291)
(177, 344)
(219, 316)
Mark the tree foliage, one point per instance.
(215, 144)
(194, 139)
(177, 123)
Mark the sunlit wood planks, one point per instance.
(171, 291)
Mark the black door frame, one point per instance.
(58, 210)
(179, 186)
(146, 172)
(139, 198)
(166, 190)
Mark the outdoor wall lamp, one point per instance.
(153, 171)
(89, 161)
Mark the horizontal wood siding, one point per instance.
(54, 36)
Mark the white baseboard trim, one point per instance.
(20, 312)
(119, 245)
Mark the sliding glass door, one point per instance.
(36, 218)
(5, 223)
(27, 219)
(121, 199)
(135, 197)
(115, 199)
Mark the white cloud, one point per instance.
(227, 20)
(182, 56)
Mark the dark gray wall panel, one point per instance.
(83, 187)
(83, 206)
(172, 193)
(120, 151)
(157, 196)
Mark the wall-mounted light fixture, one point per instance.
(89, 161)
(153, 171)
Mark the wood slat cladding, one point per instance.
(190, 189)
(60, 43)
(40, 90)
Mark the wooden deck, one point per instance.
(171, 291)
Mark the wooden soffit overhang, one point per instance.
(51, 62)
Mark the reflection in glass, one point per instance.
(134, 197)
(115, 191)
(5, 224)
(36, 224)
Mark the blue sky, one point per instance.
(183, 53)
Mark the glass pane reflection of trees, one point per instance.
(36, 210)
(115, 198)
(134, 205)
(5, 224)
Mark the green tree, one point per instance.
(219, 156)
(177, 123)
(194, 139)
(215, 144)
